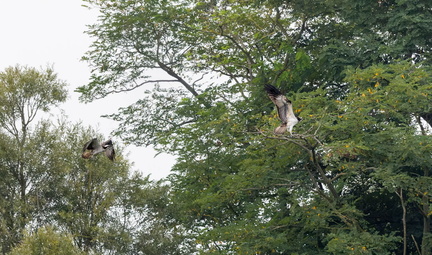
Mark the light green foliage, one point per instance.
(45, 182)
(24, 92)
(46, 241)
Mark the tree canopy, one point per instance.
(358, 74)
(52, 200)
(354, 178)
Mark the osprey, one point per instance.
(284, 108)
(93, 147)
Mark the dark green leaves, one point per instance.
(357, 73)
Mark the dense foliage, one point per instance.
(354, 178)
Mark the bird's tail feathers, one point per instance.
(281, 129)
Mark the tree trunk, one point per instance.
(427, 238)
(404, 227)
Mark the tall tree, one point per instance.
(101, 205)
(88, 190)
(243, 189)
(106, 207)
(24, 93)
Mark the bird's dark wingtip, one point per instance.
(272, 89)
(268, 87)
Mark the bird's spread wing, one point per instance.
(274, 94)
(107, 143)
(283, 105)
(91, 145)
(110, 153)
(91, 148)
(290, 113)
(283, 112)
(108, 146)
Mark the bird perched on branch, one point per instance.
(284, 109)
(93, 147)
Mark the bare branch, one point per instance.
(171, 72)
(310, 149)
(250, 60)
(135, 87)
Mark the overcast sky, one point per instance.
(39, 33)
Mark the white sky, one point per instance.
(38, 33)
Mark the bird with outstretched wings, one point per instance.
(93, 147)
(284, 109)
